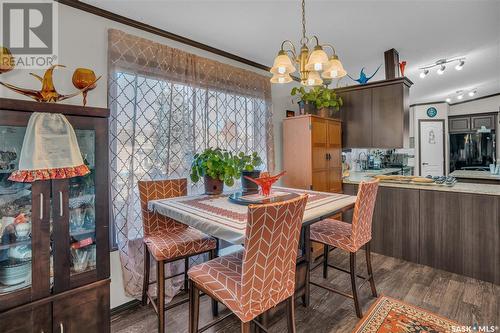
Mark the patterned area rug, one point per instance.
(388, 315)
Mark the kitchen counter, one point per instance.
(460, 187)
(470, 174)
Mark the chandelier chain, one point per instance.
(303, 19)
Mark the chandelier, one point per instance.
(313, 66)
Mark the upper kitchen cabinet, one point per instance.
(486, 120)
(376, 115)
(462, 124)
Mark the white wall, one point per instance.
(420, 112)
(491, 104)
(83, 42)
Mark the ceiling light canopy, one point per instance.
(441, 63)
(313, 65)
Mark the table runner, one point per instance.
(220, 218)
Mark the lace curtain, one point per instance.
(166, 105)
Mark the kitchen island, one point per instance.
(477, 177)
(451, 228)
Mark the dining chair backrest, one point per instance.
(270, 254)
(154, 190)
(363, 213)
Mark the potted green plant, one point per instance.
(247, 165)
(325, 101)
(217, 167)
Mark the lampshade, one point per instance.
(317, 60)
(313, 79)
(282, 64)
(334, 69)
(281, 78)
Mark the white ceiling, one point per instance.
(422, 31)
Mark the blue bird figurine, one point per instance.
(363, 79)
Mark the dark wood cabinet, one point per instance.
(463, 124)
(376, 115)
(88, 312)
(357, 118)
(459, 124)
(487, 120)
(69, 239)
(28, 319)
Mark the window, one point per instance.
(157, 126)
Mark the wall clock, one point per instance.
(431, 112)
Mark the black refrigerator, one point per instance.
(472, 150)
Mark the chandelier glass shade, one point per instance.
(313, 64)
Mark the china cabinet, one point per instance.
(54, 245)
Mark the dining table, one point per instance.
(226, 220)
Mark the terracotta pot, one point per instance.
(329, 113)
(247, 185)
(213, 186)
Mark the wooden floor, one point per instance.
(463, 299)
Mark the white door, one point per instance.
(431, 148)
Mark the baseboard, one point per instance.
(125, 306)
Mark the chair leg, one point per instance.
(369, 268)
(245, 327)
(352, 270)
(215, 306)
(290, 305)
(145, 282)
(186, 268)
(160, 278)
(325, 261)
(194, 307)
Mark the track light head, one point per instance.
(472, 93)
(460, 65)
(424, 73)
(448, 100)
(441, 69)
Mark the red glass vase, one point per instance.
(266, 181)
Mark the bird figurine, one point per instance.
(48, 92)
(363, 79)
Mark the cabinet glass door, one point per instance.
(82, 223)
(15, 216)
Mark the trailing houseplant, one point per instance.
(323, 99)
(217, 167)
(248, 164)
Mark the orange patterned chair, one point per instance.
(262, 275)
(167, 240)
(350, 238)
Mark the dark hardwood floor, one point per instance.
(460, 298)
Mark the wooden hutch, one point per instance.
(55, 278)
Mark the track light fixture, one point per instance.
(461, 94)
(441, 63)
